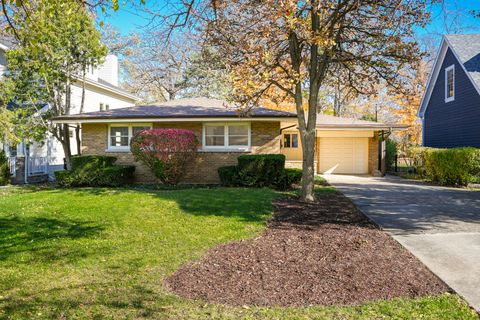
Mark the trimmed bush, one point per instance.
(261, 170)
(450, 167)
(95, 171)
(229, 176)
(4, 169)
(93, 161)
(289, 177)
(166, 152)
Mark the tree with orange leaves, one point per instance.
(407, 102)
(297, 47)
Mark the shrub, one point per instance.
(261, 170)
(93, 161)
(391, 152)
(452, 167)
(4, 169)
(229, 176)
(264, 170)
(166, 152)
(95, 171)
(289, 177)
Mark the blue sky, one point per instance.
(129, 19)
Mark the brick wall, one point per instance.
(373, 155)
(265, 139)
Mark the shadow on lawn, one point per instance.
(35, 234)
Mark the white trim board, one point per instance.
(72, 121)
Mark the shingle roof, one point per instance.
(326, 121)
(183, 108)
(467, 48)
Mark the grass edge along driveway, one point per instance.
(104, 253)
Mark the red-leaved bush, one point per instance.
(165, 151)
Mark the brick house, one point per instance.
(224, 135)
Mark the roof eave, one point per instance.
(60, 120)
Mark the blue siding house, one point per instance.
(450, 108)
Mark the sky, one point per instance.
(129, 19)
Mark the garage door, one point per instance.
(344, 155)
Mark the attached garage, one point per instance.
(343, 155)
(343, 145)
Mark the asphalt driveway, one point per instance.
(441, 226)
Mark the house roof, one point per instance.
(466, 49)
(194, 108)
(332, 122)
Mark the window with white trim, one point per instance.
(450, 83)
(228, 136)
(119, 135)
(290, 140)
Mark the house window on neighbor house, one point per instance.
(107, 107)
(450, 83)
(290, 140)
(226, 136)
(102, 107)
(119, 136)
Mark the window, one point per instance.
(102, 108)
(290, 140)
(119, 136)
(230, 136)
(450, 83)
(107, 107)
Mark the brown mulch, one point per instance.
(311, 254)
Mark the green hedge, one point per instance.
(4, 169)
(450, 167)
(95, 171)
(263, 170)
(92, 161)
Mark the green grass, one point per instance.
(104, 253)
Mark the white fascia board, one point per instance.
(153, 120)
(432, 78)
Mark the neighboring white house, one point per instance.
(101, 93)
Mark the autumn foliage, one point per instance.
(165, 151)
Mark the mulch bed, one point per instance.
(324, 253)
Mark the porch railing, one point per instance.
(37, 165)
(12, 163)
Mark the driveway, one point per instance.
(441, 226)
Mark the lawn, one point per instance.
(104, 253)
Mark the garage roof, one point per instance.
(332, 122)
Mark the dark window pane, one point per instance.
(286, 140)
(238, 130)
(294, 140)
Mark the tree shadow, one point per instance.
(35, 235)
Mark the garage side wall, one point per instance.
(373, 155)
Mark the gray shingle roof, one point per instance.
(326, 121)
(467, 47)
(183, 108)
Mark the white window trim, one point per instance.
(130, 126)
(226, 147)
(452, 98)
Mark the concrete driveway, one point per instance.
(441, 226)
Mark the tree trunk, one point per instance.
(308, 173)
(79, 141)
(65, 132)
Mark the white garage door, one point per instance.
(344, 155)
